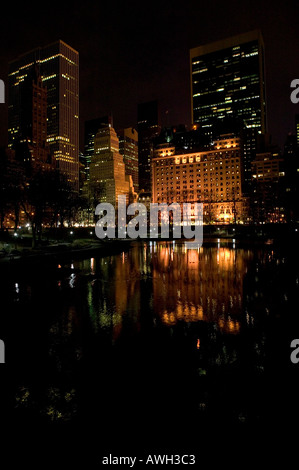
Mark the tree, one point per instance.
(209, 213)
(46, 199)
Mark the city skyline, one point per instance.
(135, 65)
(227, 86)
(149, 229)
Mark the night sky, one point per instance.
(132, 52)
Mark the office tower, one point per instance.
(212, 176)
(228, 90)
(91, 128)
(108, 179)
(291, 166)
(267, 167)
(148, 129)
(268, 187)
(128, 148)
(59, 69)
(31, 148)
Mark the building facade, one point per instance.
(228, 90)
(108, 179)
(128, 148)
(268, 195)
(213, 177)
(59, 69)
(91, 128)
(31, 148)
(149, 128)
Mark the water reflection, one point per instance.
(205, 284)
(186, 318)
(179, 284)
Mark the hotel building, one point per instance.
(213, 177)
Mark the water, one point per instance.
(158, 340)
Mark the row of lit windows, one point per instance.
(190, 178)
(190, 183)
(228, 157)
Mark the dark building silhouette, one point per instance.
(182, 139)
(149, 128)
(31, 146)
(291, 165)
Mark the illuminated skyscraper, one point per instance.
(128, 148)
(59, 69)
(297, 129)
(228, 90)
(108, 179)
(90, 131)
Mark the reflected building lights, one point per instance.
(92, 266)
(199, 285)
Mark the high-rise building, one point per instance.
(149, 128)
(228, 90)
(31, 148)
(268, 187)
(59, 69)
(128, 148)
(291, 165)
(108, 179)
(90, 131)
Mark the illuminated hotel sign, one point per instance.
(2, 92)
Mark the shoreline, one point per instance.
(64, 250)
